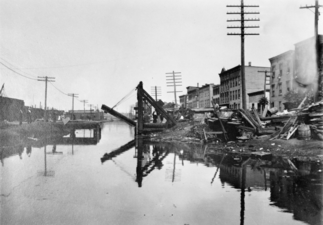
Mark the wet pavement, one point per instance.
(112, 179)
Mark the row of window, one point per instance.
(225, 85)
(280, 88)
(280, 70)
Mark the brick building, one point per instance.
(294, 70)
(231, 87)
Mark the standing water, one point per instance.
(115, 180)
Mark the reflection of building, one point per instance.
(231, 87)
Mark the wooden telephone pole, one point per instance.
(156, 91)
(174, 80)
(317, 47)
(46, 79)
(73, 95)
(242, 20)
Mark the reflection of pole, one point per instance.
(139, 161)
(217, 169)
(174, 167)
(242, 195)
(45, 172)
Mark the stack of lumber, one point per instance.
(316, 119)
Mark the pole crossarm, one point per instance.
(238, 20)
(243, 6)
(243, 27)
(243, 34)
(230, 13)
(46, 79)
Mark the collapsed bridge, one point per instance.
(140, 125)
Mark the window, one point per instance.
(280, 88)
(272, 104)
(280, 70)
(273, 72)
(280, 105)
(272, 90)
(239, 94)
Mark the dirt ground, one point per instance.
(189, 132)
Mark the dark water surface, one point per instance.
(90, 180)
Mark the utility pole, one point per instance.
(46, 79)
(90, 110)
(156, 91)
(197, 97)
(84, 101)
(242, 34)
(174, 80)
(73, 95)
(316, 37)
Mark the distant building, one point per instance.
(205, 96)
(231, 87)
(183, 101)
(86, 114)
(293, 70)
(10, 108)
(192, 93)
(281, 78)
(254, 98)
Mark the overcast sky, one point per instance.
(102, 49)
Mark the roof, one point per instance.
(282, 55)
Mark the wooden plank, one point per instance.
(222, 127)
(246, 118)
(265, 111)
(257, 116)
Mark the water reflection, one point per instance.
(294, 190)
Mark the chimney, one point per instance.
(249, 63)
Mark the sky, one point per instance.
(102, 49)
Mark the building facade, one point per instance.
(183, 101)
(205, 96)
(192, 93)
(294, 70)
(231, 87)
(281, 80)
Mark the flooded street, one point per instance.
(108, 180)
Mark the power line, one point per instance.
(58, 89)
(16, 71)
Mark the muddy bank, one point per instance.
(37, 130)
(189, 132)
